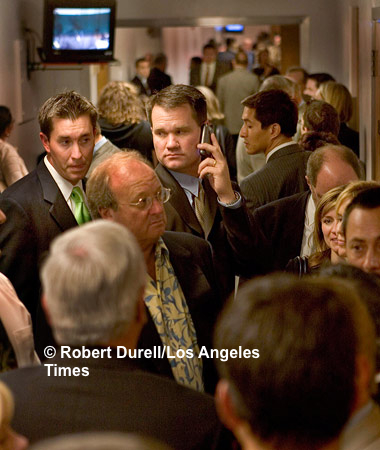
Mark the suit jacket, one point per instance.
(283, 175)
(233, 87)
(104, 152)
(220, 69)
(36, 213)
(191, 259)
(142, 89)
(278, 232)
(115, 396)
(363, 434)
(158, 80)
(230, 235)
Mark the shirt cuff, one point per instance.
(234, 205)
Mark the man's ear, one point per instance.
(45, 308)
(308, 183)
(106, 213)
(275, 130)
(45, 142)
(225, 407)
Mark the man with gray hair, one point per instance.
(284, 227)
(93, 283)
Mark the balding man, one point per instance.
(284, 227)
(181, 292)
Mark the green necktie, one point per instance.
(81, 212)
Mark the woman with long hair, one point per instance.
(324, 236)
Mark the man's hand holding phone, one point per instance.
(214, 166)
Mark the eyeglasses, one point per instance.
(146, 203)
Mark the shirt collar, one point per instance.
(274, 150)
(187, 182)
(359, 415)
(99, 144)
(64, 186)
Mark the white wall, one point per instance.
(326, 49)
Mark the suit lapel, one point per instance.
(59, 210)
(179, 200)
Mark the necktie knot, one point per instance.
(81, 212)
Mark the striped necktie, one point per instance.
(202, 211)
(81, 212)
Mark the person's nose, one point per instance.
(75, 151)
(243, 131)
(371, 261)
(171, 142)
(157, 206)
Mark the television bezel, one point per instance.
(51, 55)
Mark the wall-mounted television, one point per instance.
(79, 30)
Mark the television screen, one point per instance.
(79, 31)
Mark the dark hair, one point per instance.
(311, 140)
(274, 106)
(320, 77)
(177, 95)
(159, 59)
(139, 60)
(321, 116)
(320, 156)
(241, 58)
(300, 391)
(5, 119)
(67, 105)
(209, 45)
(367, 199)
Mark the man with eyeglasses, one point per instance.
(181, 293)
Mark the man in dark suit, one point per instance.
(209, 71)
(141, 78)
(158, 79)
(40, 206)
(270, 120)
(284, 228)
(93, 283)
(177, 115)
(182, 295)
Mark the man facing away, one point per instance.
(317, 350)
(182, 296)
(49, 200)
(93, 283)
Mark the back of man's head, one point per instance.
(274, 106)
(300, 392)
(241, 59)
(279, 82)
(323, 155)
(321, 77)
(92, 281)
(321, 116)
(177, 95)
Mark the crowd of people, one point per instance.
(145, 270)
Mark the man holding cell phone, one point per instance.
(203, 202)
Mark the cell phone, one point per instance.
(205, 138)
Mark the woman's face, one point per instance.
(339, 230)
(328, 225)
